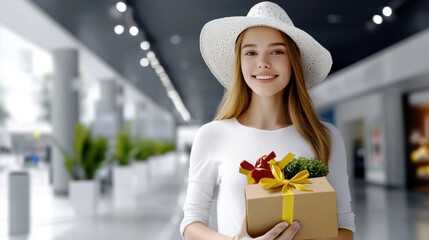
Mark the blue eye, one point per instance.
(250, 53)
(278, 52)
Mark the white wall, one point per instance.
(372, 90)
(185, 136)
(397, 63)
(367, 110)
(48, 35)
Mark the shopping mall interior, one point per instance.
(100, 102)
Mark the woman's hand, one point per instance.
(281, 231)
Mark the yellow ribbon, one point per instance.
(248, 174)
(286, 160)
(279, 180)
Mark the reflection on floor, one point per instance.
(153, 214)
(386, 213)
(380, 213)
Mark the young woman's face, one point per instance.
(265, 62)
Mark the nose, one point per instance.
(263, 62)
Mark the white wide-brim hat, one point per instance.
(218, 38)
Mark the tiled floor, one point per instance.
(386, 213)
(381, 213)
(154, 214)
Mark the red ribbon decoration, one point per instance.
(263, 161)
(261, 168)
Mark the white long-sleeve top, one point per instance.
(218, 149)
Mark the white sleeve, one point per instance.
(201, 182)
(339, 180)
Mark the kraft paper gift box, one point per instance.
(315, 210)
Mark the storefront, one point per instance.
(416, 112)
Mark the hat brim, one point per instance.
(217, 46)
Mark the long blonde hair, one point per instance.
(298, 103)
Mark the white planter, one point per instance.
(162, 167)
(160, 159)
(123, 185)
(123, 177)
(141, 171)
(154, 167)
(171, 163)
(83, 197)
(167, 162)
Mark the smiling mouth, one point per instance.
(265, 77)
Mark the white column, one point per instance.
(109, 109)
(140, 121)
(65, 112)
(120, 101)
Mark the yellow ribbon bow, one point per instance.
(248, 174)
(279, 180)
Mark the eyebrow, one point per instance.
(271, 45)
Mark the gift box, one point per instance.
(271, 198)
(315, 210)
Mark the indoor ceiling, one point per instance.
(172, 27)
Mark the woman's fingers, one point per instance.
(290, 232)
(275, 231)
(281, 231)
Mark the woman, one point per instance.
(266, 65)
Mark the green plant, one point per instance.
(146, 148)
(124, 148)
(89, 153)
(165, 146)
(169, 146)
(314, 167)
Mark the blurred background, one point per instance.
(100, 102)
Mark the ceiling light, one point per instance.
(159, 70)
(387, 11)
(165, 80)
(134, 31)
(119, 29)
(122, 7)
(377, 19)
(150, 55)
(144, 62)
(175, 39)
(154, 62)
(145, 45)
